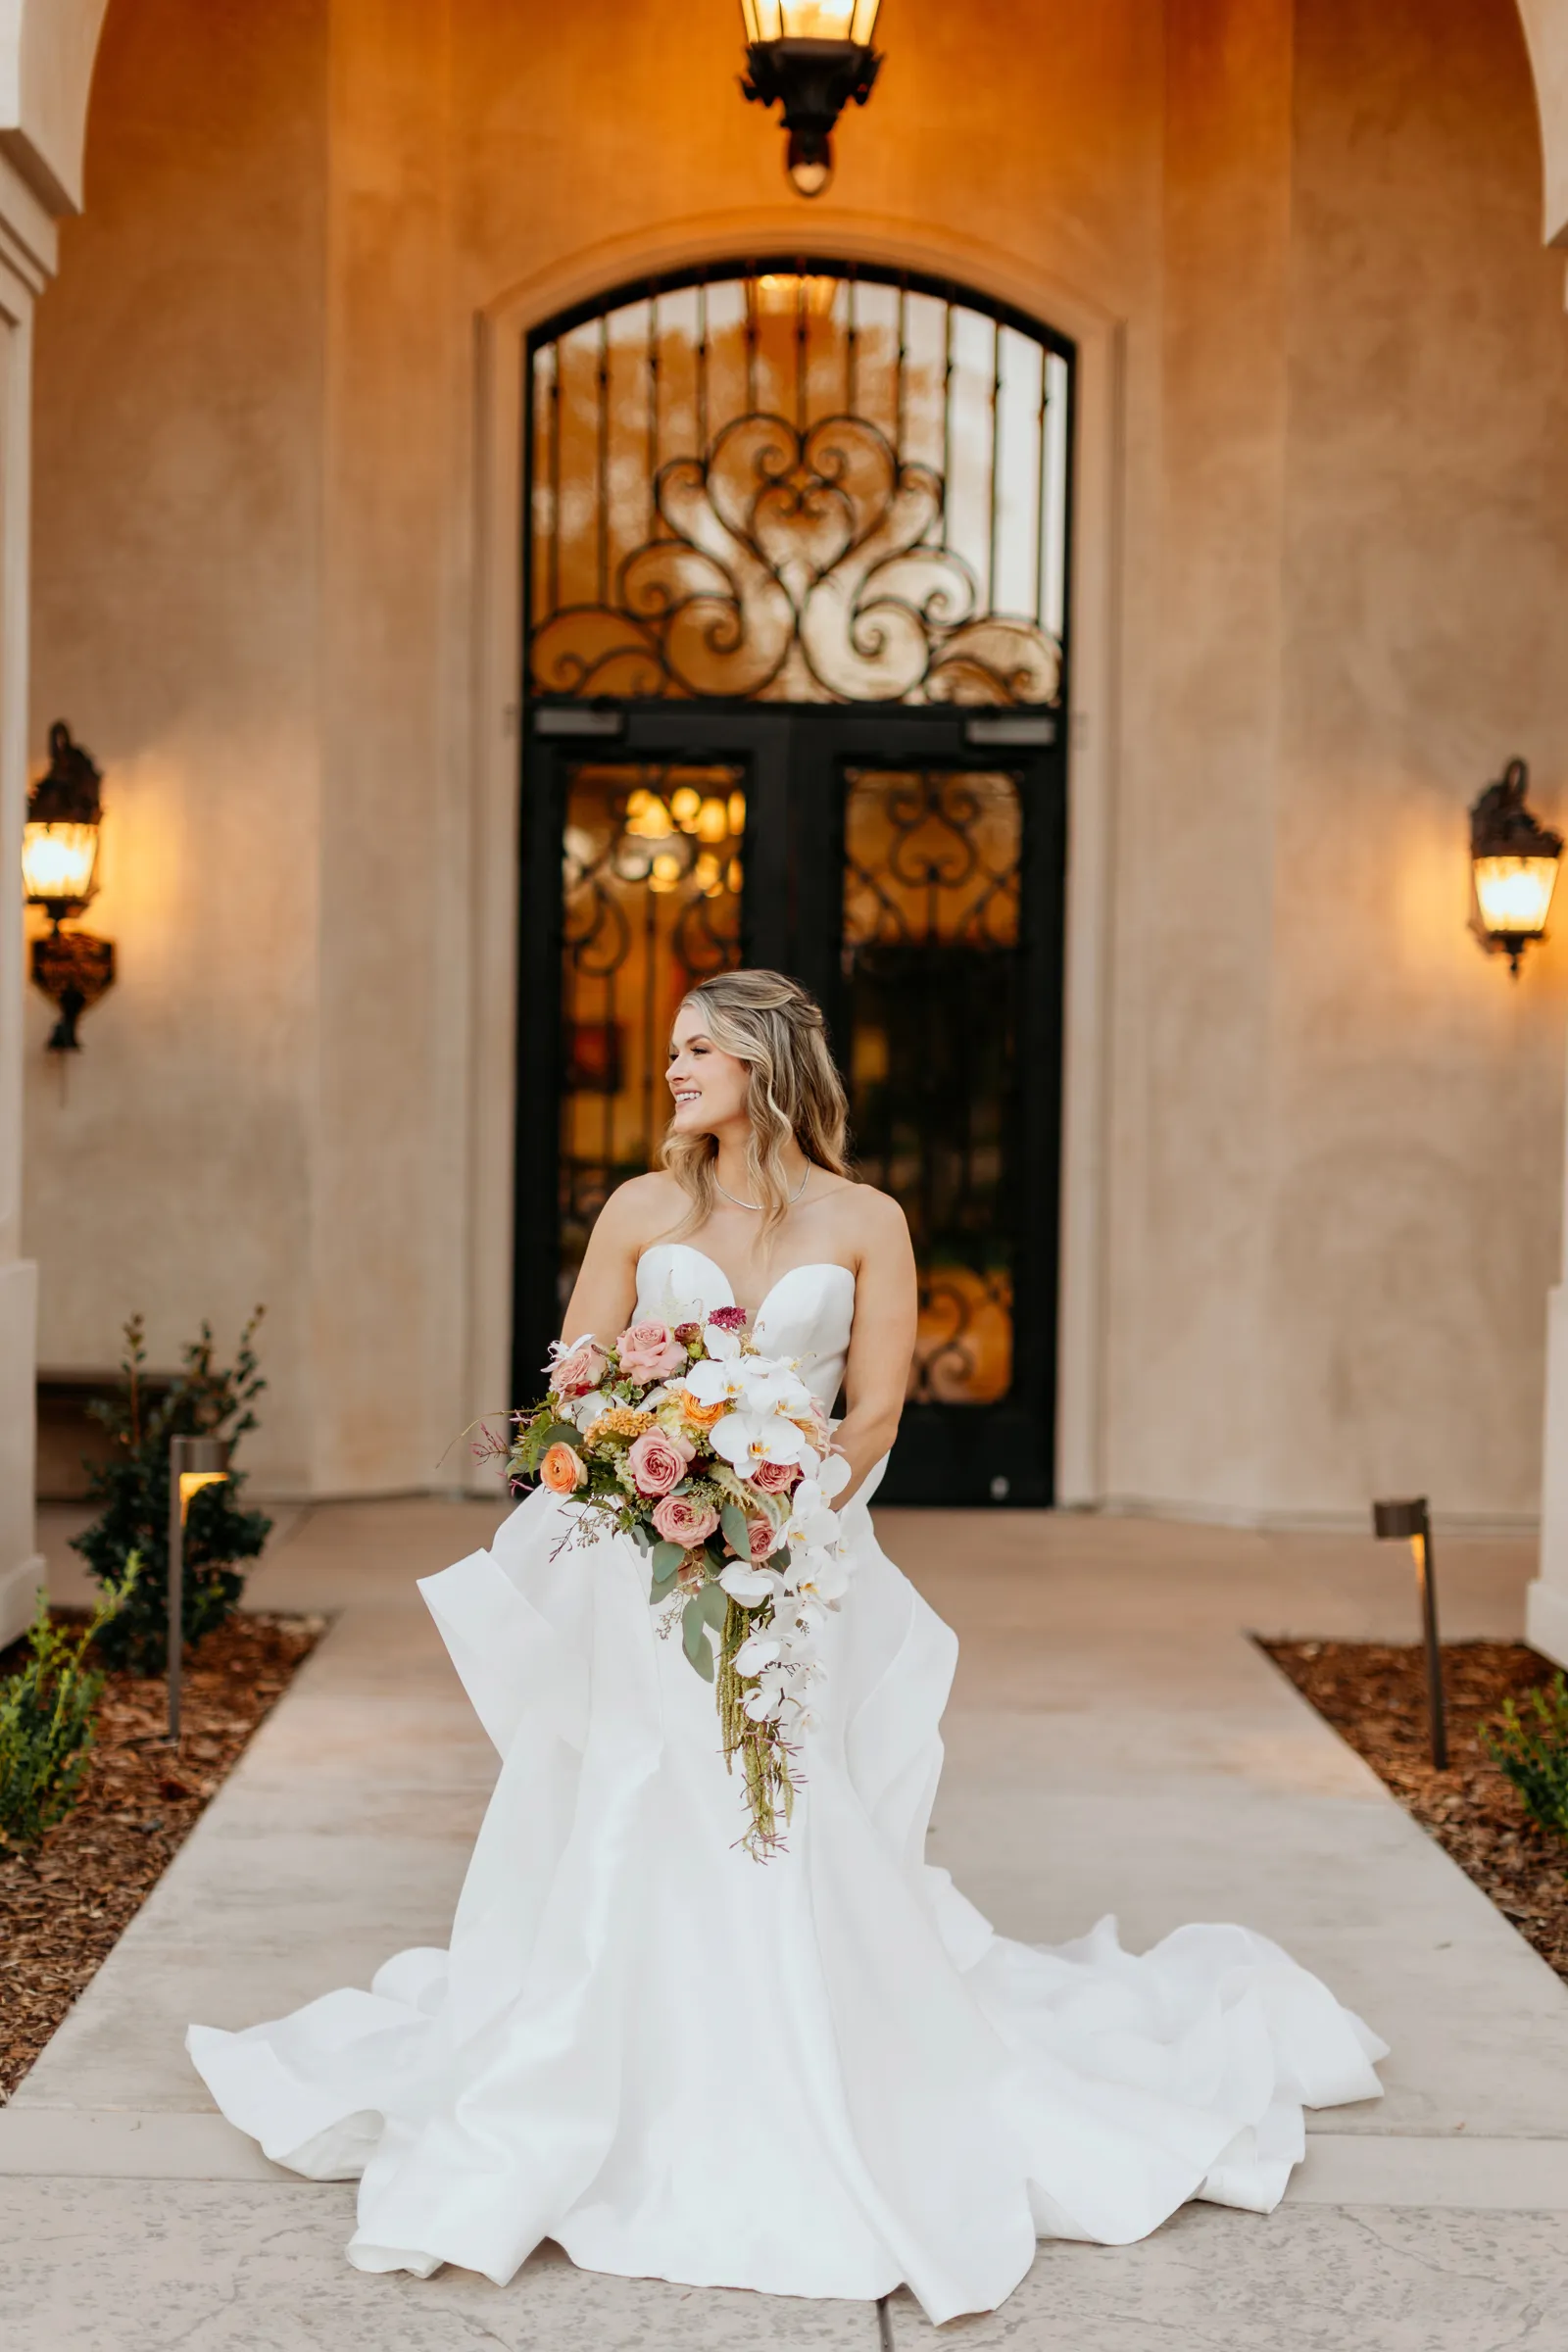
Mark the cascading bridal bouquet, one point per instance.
(717, 1461)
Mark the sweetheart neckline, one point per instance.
(813, 1265)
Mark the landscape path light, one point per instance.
(811, 57)
(1513, 862)
(1413, 1521)
(193, 1463)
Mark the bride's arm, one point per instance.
(882, 1341)
(606, 1290)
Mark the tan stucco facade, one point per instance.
(1313, 1154)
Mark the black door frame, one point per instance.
(795, 756)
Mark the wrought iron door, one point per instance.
(796, 673)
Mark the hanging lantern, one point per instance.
(1513, 862)
(60, 872)
(811, 57)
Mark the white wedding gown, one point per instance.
(817, 2076)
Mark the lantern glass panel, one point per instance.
(1514, 895)
(810, 20)
(58, 863)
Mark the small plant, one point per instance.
(46, 1719)
(205, 1400)
(1533, 1751)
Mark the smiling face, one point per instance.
(709, 1085)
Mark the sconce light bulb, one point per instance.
(809, 161)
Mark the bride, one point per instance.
(824, 2075)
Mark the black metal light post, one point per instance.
(1513, 862)
(193, 1463)
(811, 57)
(1413, 1520)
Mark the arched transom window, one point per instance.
(798, 483)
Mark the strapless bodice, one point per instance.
(808, 1314)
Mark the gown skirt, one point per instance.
(822, 2075)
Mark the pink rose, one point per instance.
(764, 1539)
(773, 1477)
(658, 1461)
(680, 1519)
(578, 1369)
(650, 1351)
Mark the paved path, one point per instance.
(1114, 1743)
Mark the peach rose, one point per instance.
(579, 1370)
(703, 1416)
(764, 1539)
(680, 1519)
(650, 1351)
(658, 1461)
(562, 1471)
(773, 1477)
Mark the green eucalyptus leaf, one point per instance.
(779, 1559)
(733, 1521)
(694, 1636)
(664, 1559)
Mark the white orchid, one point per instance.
(723, 1347)
(759, 1650)
(745, 1437)
(769, 1385)
(751, 1587)
(714, 1383)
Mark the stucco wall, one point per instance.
(176, 599)
(266, 538)
(1417, 1103)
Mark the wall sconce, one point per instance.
(812, 56)
(59, 868)
(1514, 864)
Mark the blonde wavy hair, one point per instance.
(776, 1027)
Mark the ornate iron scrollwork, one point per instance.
(797, 566)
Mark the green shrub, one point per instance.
(1534, 1753)
(206, 1399)
(46, 1720)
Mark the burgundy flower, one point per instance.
(728, 1318)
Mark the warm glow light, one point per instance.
(1514, 895)
(780, 296)
(811, 20)
(685, 807)
(737, 813)
(191, 1482)
(57, 861)
(647, 817)
(712, 822)
(666, 872)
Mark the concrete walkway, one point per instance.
(1115, 1744)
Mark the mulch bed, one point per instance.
(1375, 1695)
(64, 1905)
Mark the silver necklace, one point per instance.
(756, 1206)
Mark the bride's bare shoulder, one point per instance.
(643, 1207)
(870, 1218)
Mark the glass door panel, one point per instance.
(930, 960)
(651, 880)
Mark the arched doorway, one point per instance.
(796, 662)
